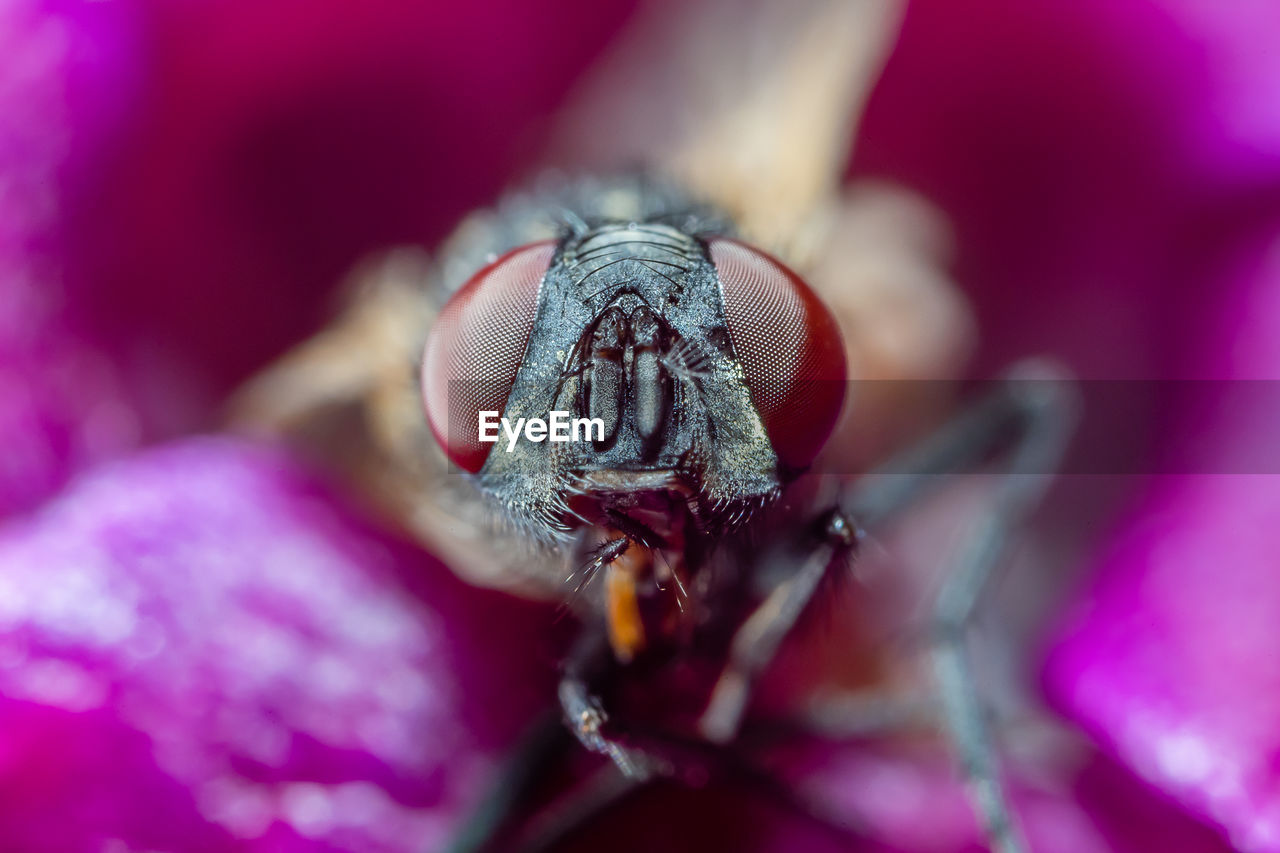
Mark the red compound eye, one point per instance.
(788, 345)
(475, 349)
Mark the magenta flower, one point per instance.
(204, 645)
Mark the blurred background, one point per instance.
(208, 644)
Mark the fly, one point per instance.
(711, 320)
(692, 533)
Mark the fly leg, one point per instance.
(495, 823)
(584, 713)
(1042, 432)
(756, 642)
(1025, 422)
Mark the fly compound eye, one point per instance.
(789, 348)
(475, 349)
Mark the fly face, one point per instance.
(707, 376)
(708, 373)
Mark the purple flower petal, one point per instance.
(1234, 52)
(1104, 163)
(198, 647)
(1171, 657)
(1069, 800)
(64, 77)
(1082, 151)
(183, 185)
(279, 142)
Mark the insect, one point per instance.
(683, 529)
(716, 375)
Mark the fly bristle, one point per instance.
(686, 361)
